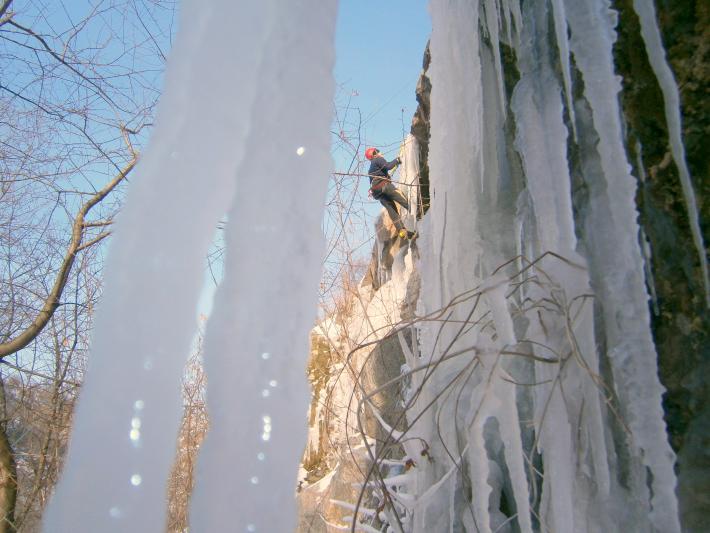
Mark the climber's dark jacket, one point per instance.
(380, 167)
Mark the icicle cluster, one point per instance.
(237, 90)
(536, 294)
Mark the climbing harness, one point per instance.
(379, 185)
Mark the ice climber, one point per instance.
(383, 189)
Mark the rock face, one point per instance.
(352, 361)
(421, 128)
(471, 224)
(355, 353)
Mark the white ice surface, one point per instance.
(147, 319)
(472, 227)
(622, 290)
(226, 55)
(256, 340)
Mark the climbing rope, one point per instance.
(355, 174)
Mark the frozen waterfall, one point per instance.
(528, 399)
(237, 86)
(555, 446)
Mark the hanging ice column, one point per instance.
(127, 418)
(257, 340)
(580, 456)
(616, 260)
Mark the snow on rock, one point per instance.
(365, 353)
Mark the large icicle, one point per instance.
(621, 290)
(456, 162)
(128, 413)
(492, 17)
(256, 342)
(560, 22)
(506, 409)
(657, 58)
(541, 140)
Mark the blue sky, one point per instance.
(379, 49)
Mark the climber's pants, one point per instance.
(389, 196)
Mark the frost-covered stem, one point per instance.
(375, 470)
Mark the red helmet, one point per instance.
(371, 152)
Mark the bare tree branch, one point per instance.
(100, 237)
(51, 302)
(3, 9)
(64, 62)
